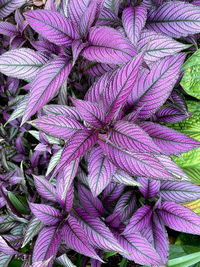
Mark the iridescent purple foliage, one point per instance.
(100, 79)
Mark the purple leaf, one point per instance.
(47, 245)
(6, 248)
(7, 7)
(169, 140)
(112, 192)
(126, 203)
(96, 91)
(141, 164)
(100, 171)
(77, 47)
(65, 180)
(113, 220)
(160, 236)
(124, 178)
(47, 214)
(75, 238)
(139, 249)
(129, 135)
(52, 26)
(179, 218)
(113, 5)
(76, 146)
(8, 29)
(58, 126)
(45, 188)
(133, 19)
(47, 83)
(156, 88)
(107, 45)
(140, 219)
(149, 188)
(87, 19)
(90, 112)
(22, 63)
(92, 205)
(120, 86)
(108, 18)
(169, 114)
(179, 191)
(98, 69)
(67, 111)
(175, 19)
(158, 45)
(76, 10)
(97, 232)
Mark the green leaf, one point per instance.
(18, 205)
(108, 254)
(185, 261)
(191, 78)
(123, 263)
(15, 263)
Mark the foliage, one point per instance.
(110, 160)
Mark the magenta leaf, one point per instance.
(92, 205)
(154, 91)
(67, 111)
(129, 135)
(75, 238)
(133, 19)
(160, 238)
(6, 248)
(88, 17)
(140, 219)
(58, 126)
(126, 204)
(8, 29)
(46, 214)
(124, 178)
(175, 19)
(149, 188)
(158, 45)
(108, 45)
(22, 63)
(141, 164)
(169, 114)
(120, 86)
(139, 249)
(47, 245)
(100, 171)
(96, 91)
(76, 146)
(97, 232)
(47, 83)
(77, 47)
(98, 69)
(112, 192)
(76, 10)
(179, 218)
(169, 140)
(45, 188)
(108, 18)
(65, 180)
(112, 5)
(7, 7)
(52, 26)
(90, 112)
(179, 191)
